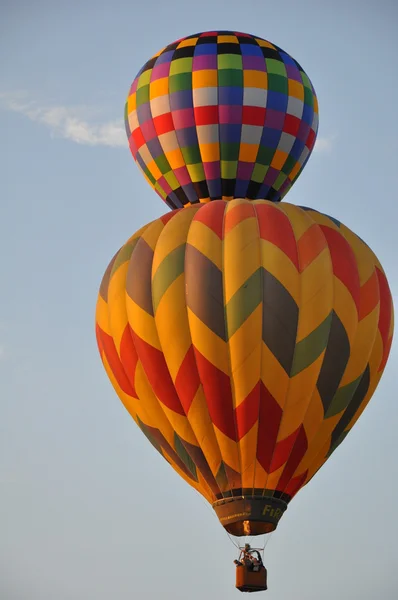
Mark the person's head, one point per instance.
(247, 547)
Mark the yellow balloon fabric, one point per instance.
(245, 338)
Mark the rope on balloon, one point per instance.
(230, 537)
(261, 548)
(214, 515)
(206, 504)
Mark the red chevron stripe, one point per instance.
(297, 453)
(344, 262)
(295, 485)
(385, 316)
(212, 215)
(166, 218)
(275, 227)
(187, 380)
(246, 414)
(217, 388)
(270, 415)
(128, 356)
(369, 296)
(158, 374)
(386, 354)
(310, 245)
(282, 451)
(237, 214)
(108, 348)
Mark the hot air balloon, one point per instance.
(245, 338)
(221, 115)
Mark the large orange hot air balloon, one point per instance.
(245, 339)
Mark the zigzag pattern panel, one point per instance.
(245, 339)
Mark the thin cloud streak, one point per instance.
(73, 123)
(324, 144)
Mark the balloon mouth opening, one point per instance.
(250, 515)
(243, 528)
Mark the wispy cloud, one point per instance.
(80, 124)
(324, 144)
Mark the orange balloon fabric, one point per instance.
(245, 338)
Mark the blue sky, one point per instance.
(88, 509)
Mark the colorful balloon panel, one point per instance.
(221, 115)
(246, 339)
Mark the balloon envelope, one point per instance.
(245, 339)
(221, 115)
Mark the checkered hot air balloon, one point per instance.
(221, 115)
(245, 339)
